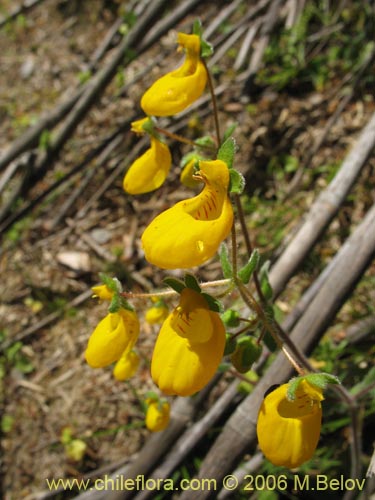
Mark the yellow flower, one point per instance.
(156, 314)
(149, 171)
(288, 431)
(115, 333)
(137, 125)
(102, 292)
(189, 347)
(126, 366)
(190, 232)
(157, 415)
(176, 90)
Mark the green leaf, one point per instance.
(206, 48)
(230, 345)
(174, 283)
(292, 388)
(206, 141)
(226, 151)
(192, 282)
(115, 304)
(197, 27)
(321, 379)
(112, 283)
(229, 131)
(226, 264)
(269, 341)
(192, 155)
(245, 273)
(237, 181)
(213, 303)
(265, 282)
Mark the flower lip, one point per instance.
(178, 89)
(288, 431)
(190, 232)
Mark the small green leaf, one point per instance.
(226, 151)
(206, 141)
(237, 181)
(151, 395)
(115, 304)
(192, 282)
(230, 345)
(206, 48)
(245, 273)
(197, 27)
(265, 282)
(192, 155)
(292, 388)
(174, 283)
(229, 131)
(269, 341)
(213, 303)
(226, 264)
(321, 380)
(112, 283)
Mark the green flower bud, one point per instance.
(247, 352)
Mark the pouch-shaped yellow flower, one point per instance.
(157, 415)
(288, 431)
(189, 347)
(178, 89)
(149, 171)
(190, 232)
(126, 366)
(115, 333)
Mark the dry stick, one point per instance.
(295, 9)
(297, 178)
(247, 43)
(190, 438)
(82, 185)
(249, 467)
(222, 16)
(323, 209)
(24, 7)
(34, 202)
(30, 138)
(360, 330)
(270, 20)
(239, 433)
